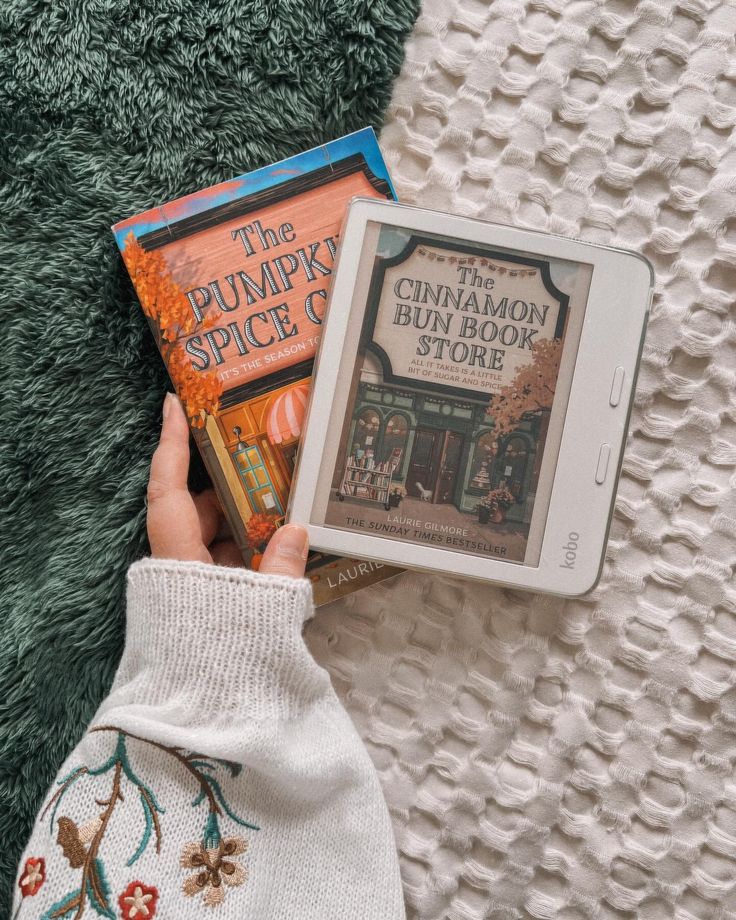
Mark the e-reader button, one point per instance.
(617, 385)
(603, 457)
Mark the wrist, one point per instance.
(210, 640)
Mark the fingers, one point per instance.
(174, 530)
(286, 553)
(170, 463)
(210, 514)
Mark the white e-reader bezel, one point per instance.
(596, 420)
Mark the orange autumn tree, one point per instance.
(260, 528)
(172, 319)
(531, 391)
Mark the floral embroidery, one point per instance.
(32, 876)
(213, 868)
(81, 844)
(138, 900)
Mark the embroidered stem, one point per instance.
(202, 779)
(154, 816)
(89, 871)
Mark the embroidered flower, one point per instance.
(33, 875)
(215, 867)
(138, 900)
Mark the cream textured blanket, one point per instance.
(554, 759)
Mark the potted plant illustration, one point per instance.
(395, 496)
(484, 509)
(499, 501)
(259, 528)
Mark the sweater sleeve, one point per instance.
(220, 773)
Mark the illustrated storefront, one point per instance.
(261, 435)
(449, 452)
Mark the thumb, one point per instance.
(286, 553)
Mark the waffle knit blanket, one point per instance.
(550, 759)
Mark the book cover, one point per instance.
(454, 375)
(233, 280)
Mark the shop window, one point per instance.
(511, 466)
(365, 436)
(395, 435)
(482, 468)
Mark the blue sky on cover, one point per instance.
(363, 141)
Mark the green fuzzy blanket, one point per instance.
(107, 108)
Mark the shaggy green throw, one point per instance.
(107, 108)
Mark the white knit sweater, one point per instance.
(220, 776)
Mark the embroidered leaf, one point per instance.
(72, 774)
(64, 908)
(146, 833)
(107, 765)
(63, 779)
(203, 765)
(226, 808)
(197, 800)
(235, 769)
(66, 783)
(70, 843)
(98, 890)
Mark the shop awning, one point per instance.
(286, 415)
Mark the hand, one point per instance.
(185, 526)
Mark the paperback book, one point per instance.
(233, 281)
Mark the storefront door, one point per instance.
(434, 465)
(449, 466)
(424, 464)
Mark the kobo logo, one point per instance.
(571, 550)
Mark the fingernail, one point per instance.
(167, 404)
(293, 541)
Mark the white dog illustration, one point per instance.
(424, 494)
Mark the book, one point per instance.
(470, 402)
(233, 281)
